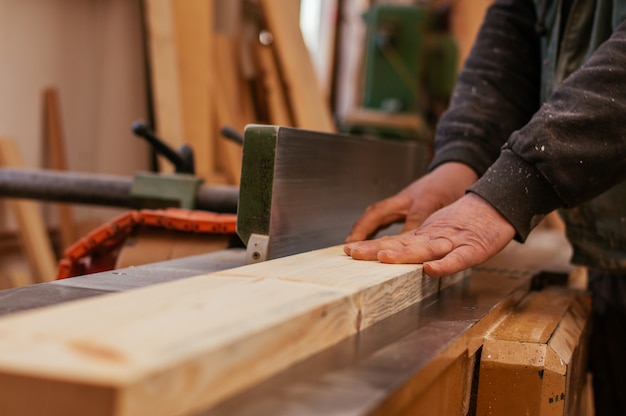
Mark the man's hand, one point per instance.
(459, 236)
(415, 203)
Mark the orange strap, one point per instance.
(98, 250)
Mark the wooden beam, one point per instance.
(31, 226)
(275, 94)
(164, 70)
(310, 110)
(178, 347)
(192, 21)
(55, 146)
(227, 100)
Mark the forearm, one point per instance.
(573, 149)
(497, 90)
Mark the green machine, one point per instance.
(409, 71)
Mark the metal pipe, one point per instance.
(98, 189)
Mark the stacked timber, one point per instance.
(217, 64)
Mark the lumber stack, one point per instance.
(216, 64)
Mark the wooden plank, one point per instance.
(306, 99)
(31, 226)
(192, 22)
(178, 347)
(227, 85)
(55, 146)
(165, 76)
(376, 301)
(533, 362)
(227, 89)
(274, 94)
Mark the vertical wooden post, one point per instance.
(55, 146)
(164, 72)
(193, 21)
(32, 228)
(310, 109)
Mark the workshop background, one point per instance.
(132, 89)
(76, 74)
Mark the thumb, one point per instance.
(452, 263)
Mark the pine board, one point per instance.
(177, 347)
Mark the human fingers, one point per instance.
(378, 215)
(421, 249)
(457, 260)
(461, 235)
(368, 250)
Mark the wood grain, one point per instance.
(177, 347)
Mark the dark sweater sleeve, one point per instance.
(497, 91)
(573, 148)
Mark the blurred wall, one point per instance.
(91, 51)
